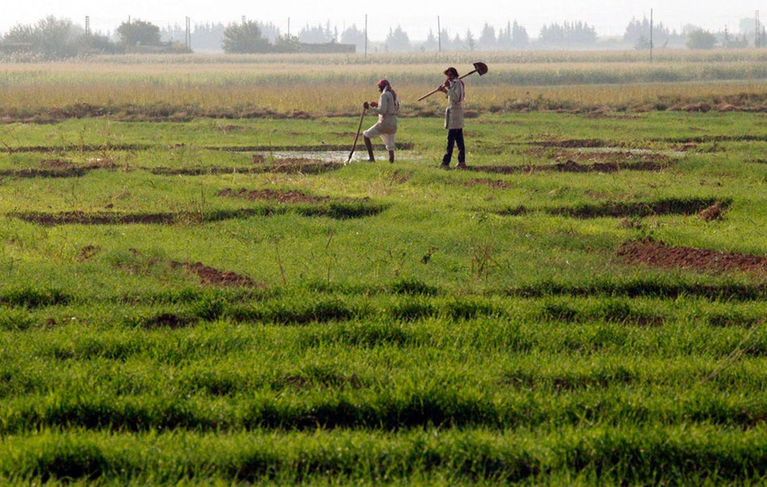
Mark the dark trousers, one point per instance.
(455, 136)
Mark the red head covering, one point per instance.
(384, 85)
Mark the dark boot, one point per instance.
(369, 146)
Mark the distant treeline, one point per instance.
(52, 38)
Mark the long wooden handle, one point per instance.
(429, 93)
(437, 89)
(356, 137)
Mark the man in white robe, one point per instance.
(386, 127)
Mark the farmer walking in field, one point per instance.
(386, 127)
(455, 90)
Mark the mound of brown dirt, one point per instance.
(713, 212)
(273, 195)
(210, 275)
(657, 254)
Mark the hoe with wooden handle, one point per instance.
(480, 68)
(356, 137)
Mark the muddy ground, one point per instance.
(658, 254)
(280, 196)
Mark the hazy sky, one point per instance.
(416, 17)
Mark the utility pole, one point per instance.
(757, 40)
(288, 27)
(366, 36)
(188, 36)
(651, 19)
(88, 25)
(439, 35)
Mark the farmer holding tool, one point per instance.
(455, 90)
(386, 127)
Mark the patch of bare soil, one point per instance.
(33, 172)
(287, 196)
(57, 168)
(338, 209)
(400, 177)
(618, 209)
(207, 274)
(86, 253)
(575, 167)
(713, 212)
(213, 276)
(658, 254)
(93, 218)
(493, 183)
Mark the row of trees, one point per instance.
(53, 38)
(56, 38)
(512, 36)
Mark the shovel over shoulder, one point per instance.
(480, 68)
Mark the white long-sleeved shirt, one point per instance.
(387, 110)
(454, 113)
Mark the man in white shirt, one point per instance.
(386, 127)
(456, 94)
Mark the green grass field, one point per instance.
(220, 301)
